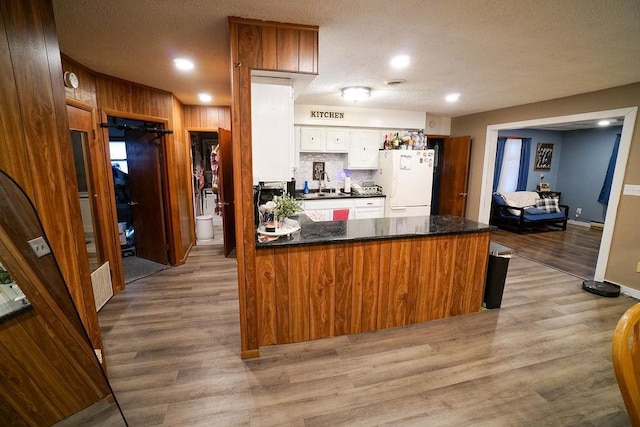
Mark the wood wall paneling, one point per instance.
(371, 254)
(322, 282)
(299, 310)
(38, 84)
(15, 159)
(313, 292)
(251, 47)
(49, 368)
(344, 274)
(287, 49)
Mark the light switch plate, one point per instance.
(631, 190)
(39, 246)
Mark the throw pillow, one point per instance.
(549, 204)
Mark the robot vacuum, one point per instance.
(604, 289)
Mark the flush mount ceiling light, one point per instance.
(452, 97)
(204, 97)
(183, 64)
(604, 123)
(401, 61)
(356, 93)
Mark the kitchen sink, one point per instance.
(323, 195)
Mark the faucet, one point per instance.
(323, 175)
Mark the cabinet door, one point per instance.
(271, 129)
(337, 140)
(364, 213)
(363, 151)
(312, 139)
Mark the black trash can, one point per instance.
(499, 257)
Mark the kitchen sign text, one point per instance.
(327, 115)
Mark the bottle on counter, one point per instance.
(305, 190)
(387, 143)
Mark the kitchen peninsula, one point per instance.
(343, 277)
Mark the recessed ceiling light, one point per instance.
(205, 97)
(183, 64)
(356, 93)
(452, 97)
(604, 123)
(401, 61)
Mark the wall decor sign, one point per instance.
(326, 115)
(318, 170)
(543, 157)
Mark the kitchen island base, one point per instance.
(307, 292)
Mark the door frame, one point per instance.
(108, 234)
(490, 148)
(164, 173)
(192, 213)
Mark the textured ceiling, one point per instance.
(496, 53)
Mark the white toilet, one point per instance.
(204, 228)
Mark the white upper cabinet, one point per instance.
(363, 151)
(337, 140)
(313, 139)
(272, 129)
(325, 140)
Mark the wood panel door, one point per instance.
(225, 185)
(145, 186)
(454, 159)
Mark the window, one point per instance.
(118, 155)
(510, 166)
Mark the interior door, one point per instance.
(145, 187)
(454, 162)
(81, 128)
(225, 183)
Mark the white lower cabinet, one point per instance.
(359, 208)
(372, 207)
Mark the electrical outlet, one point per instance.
(578, 211)
(39, 246)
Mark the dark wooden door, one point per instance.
(145, 187)
(454, 160)
(225, 182)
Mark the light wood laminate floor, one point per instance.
(172, 345)
(574, 250)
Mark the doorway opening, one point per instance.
(205, 165)
(628, 117)
(136, 156)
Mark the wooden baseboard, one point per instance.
(250, 354)
(595, 224)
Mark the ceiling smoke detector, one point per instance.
(395, 82)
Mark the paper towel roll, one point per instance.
(347, 184)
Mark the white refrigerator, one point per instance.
(406, 177)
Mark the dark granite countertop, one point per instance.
(316, 233)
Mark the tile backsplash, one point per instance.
(334, 165)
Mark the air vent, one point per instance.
(395, 82)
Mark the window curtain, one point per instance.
(608, 178)
(509, 171)
(499, 156)
(523, 170)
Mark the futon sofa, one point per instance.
(526, 210)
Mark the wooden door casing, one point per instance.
(147, 207)
(454, 176)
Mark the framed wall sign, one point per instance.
(543, 157)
